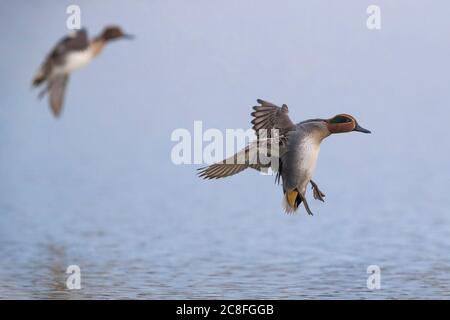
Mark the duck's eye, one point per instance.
(340, 119)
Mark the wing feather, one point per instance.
(261, 154)
(257, 155)
(267, 116)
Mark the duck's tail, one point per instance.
(291, 200)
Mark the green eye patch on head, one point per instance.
(340, 119)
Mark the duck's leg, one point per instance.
(302, 196)
(316, 192)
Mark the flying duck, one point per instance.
(71, 53)
(294, 148)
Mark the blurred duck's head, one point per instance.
(113, 33)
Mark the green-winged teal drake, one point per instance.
(298, 149)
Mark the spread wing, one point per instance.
(268, 116)
(76, 41)
(259, 155)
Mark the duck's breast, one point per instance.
(77, 59)
(300, 160)
(309, 152)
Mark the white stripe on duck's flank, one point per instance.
(74, 61)
(298, 145)
(309, 150)
(71, 53)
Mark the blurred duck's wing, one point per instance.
(56, 89)
(75, 41)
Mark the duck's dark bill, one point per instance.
(361, 129)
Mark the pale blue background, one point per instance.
(97, 187)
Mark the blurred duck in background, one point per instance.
(71, 53)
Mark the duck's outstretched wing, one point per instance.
(259, 155)
(267, 116)
(75, 41)
(263, 153)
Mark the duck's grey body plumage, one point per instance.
(299, 158)
(298, 147)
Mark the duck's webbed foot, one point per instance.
(316, 192)
(305, 204)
